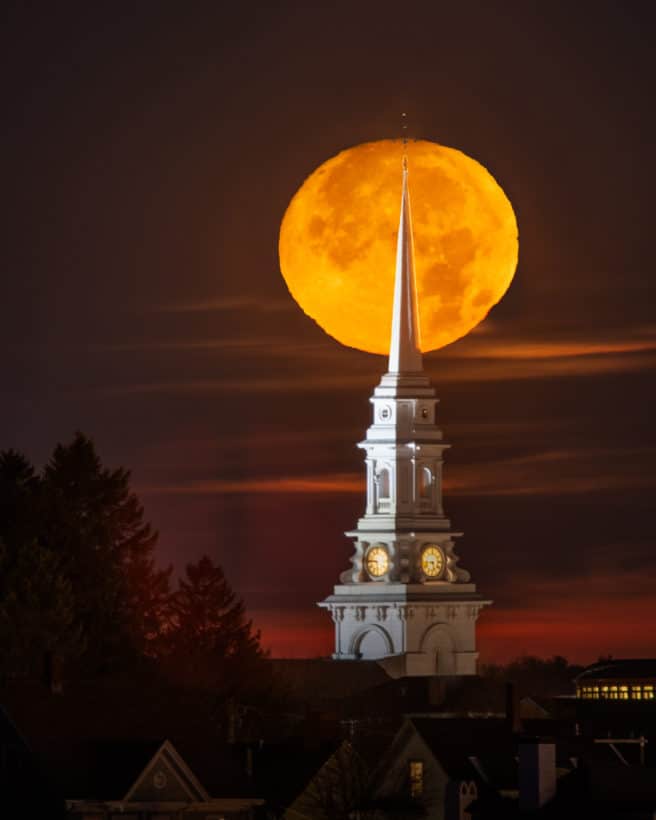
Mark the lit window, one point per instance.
(636, 692)
(648, 692)
(605, 692)
(624, 692)
(416, 771)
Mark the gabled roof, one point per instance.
(479, 748)
(98, 736)
(282, 772)
(465, 748)
(166, 762)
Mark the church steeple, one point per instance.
(405, 355)
(404, 601)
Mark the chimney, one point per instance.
(537, 773)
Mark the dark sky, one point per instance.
(148, 153)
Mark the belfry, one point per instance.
(405, 602)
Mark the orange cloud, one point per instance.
(552, 472)
(335, 483)
(551, 350)
(298, 634)
(581, 617)
(231, 305)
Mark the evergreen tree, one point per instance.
(95, 525)
(19, 500)
(37, 611)
(78, 579)
(208, 641)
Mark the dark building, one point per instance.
(622, 680)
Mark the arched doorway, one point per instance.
(438, 643)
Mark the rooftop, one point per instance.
(635, 668)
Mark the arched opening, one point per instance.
(383, 490)
(384, 484)
(437, 641)
(426, 482)
(371, 643)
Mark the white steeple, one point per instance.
(404, 601)
(405, 355)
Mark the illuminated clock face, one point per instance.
(377, 562)
(432, 561)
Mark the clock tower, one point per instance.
(404, 601)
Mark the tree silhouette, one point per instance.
(539, 677)
(95, 525)
(19, 500)
(344, 788)
(37, 611)
(78, 579)
(208, 640)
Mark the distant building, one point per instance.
(620, 680)
(405, 602)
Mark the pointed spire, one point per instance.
(405, 355)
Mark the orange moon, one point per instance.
(338, 242)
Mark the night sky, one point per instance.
(149, 151)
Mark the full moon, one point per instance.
(338, 242)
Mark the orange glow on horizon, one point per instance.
(581, 633)
(338, 241)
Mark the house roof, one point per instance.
(471, 748)
(635, 668)
(282, 771)
(95, 738)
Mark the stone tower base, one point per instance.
(410, 629)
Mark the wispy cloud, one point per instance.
(520, 368)
(248, 305)
(286, 383)
(553, 472)
(581, 617)
(324, 365)
(334, 483)
(552, 350)
(259, 346)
